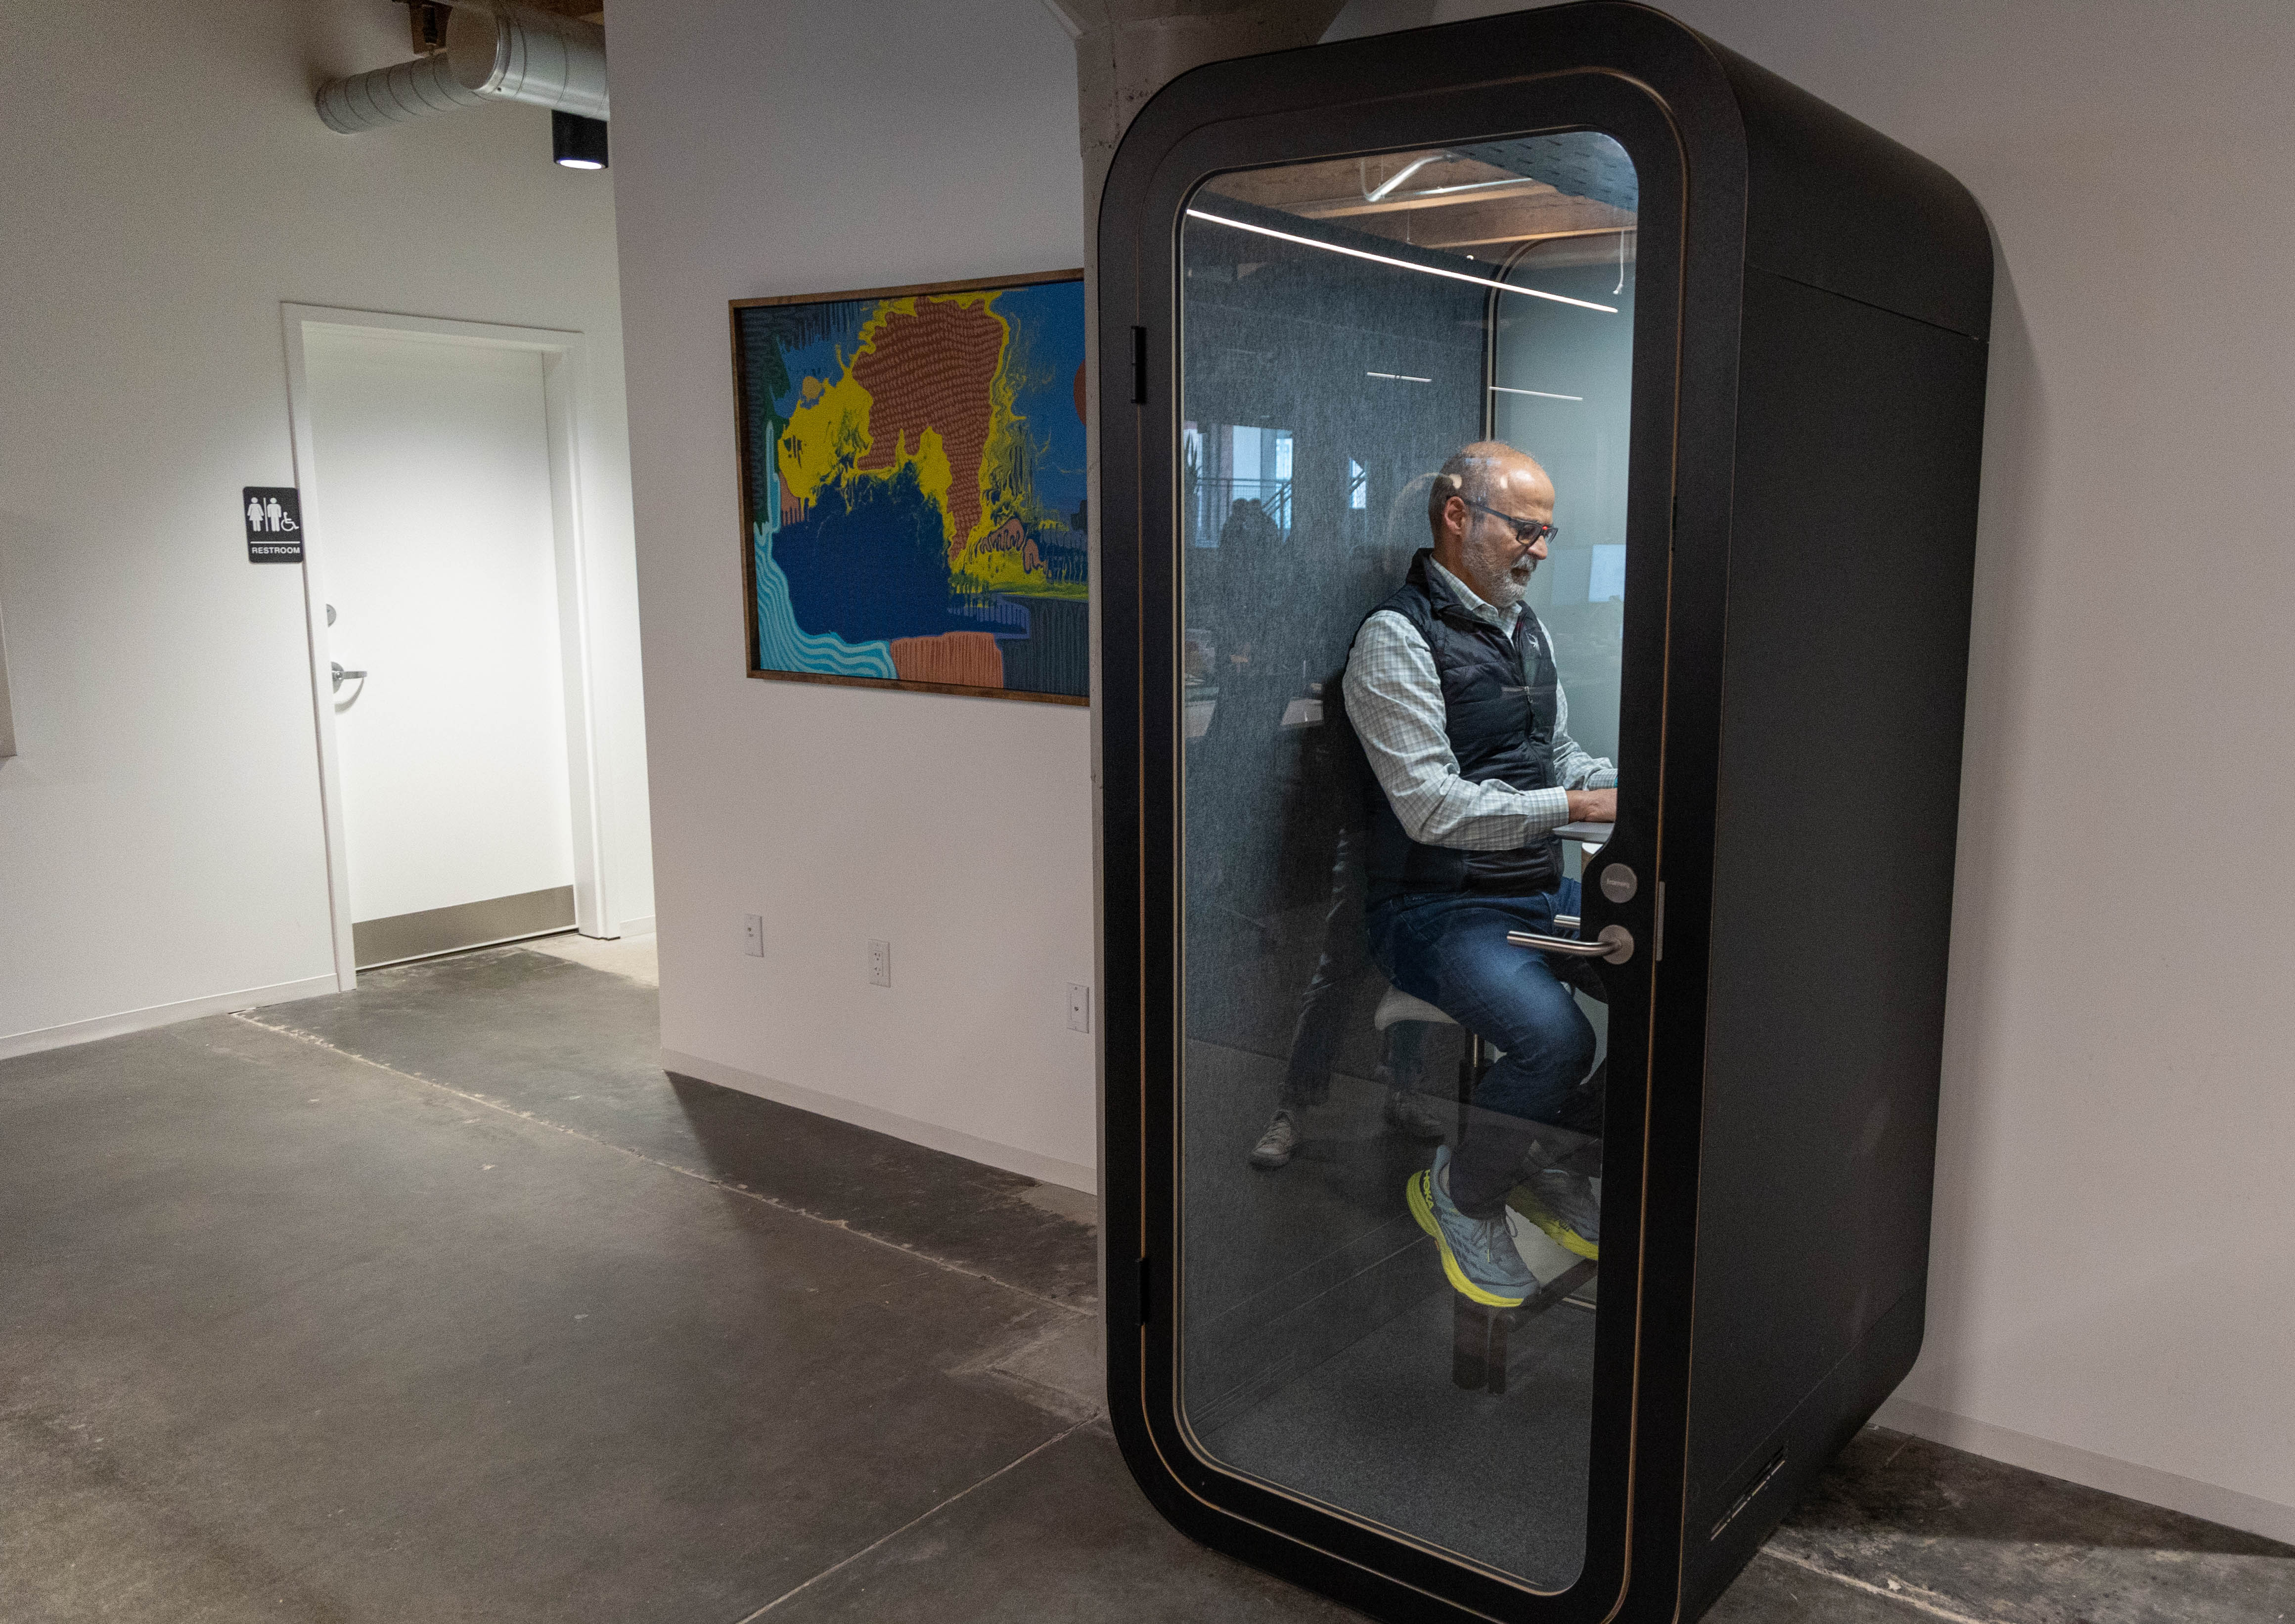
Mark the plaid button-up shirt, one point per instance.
(1394, 701)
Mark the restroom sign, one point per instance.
(273, 514)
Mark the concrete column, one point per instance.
(1128, 50)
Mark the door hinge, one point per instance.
(1657, 927)
(1139, 366)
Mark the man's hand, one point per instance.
(1593, 806)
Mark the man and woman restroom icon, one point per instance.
(267, 516)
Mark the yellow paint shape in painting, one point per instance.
(1000, 459)
(825, 439)
(874, 327)
(934, 475)
(988, 568)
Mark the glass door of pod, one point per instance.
(1405, 398)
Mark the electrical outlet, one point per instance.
(1079, 1006)
(880, 964)
(753, 935)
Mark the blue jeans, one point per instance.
(1342, 994)
(1452, 949)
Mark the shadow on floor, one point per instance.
(1002, 1225)
(580, 1050)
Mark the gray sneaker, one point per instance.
(1478, 1254)
(1411, 1112)
(1573, 1209)
(1274, 1146)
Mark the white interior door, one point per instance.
(433, 516)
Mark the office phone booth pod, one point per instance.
(1742, 339)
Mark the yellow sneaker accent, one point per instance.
(1417, 1191)
(1562, 1235)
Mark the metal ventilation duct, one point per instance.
(508, 53)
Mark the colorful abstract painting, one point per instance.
(913, 487)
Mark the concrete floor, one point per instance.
(436, 1301)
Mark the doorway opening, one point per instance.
(444, 578)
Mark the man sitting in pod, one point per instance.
(1451, 688)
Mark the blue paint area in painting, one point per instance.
(1048, 326)
(871, 563)
(826, 357)
(783, 645)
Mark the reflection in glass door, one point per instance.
(1404, 400)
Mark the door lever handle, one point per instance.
(1615, 944)
(342, 676)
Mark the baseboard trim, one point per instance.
(1011, 1158)
(160, 1014)
(2248, 1513)
(637, 927)
(433, 932)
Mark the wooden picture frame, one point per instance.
(865, 419)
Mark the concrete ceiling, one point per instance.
(1443, 202)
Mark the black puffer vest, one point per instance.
(1498, 706)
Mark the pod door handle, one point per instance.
(1615, 944)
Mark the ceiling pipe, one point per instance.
(1403, 175)
(507, 53)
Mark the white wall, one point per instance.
(168, 186)
(805, 147)
(2112, 1297)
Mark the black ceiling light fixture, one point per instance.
(575, 141)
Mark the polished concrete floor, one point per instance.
(436, 1301)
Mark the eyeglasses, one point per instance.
(1528, 532)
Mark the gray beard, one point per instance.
(1511, 589)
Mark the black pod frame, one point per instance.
(1770, 226)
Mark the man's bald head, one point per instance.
(1474, 472)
